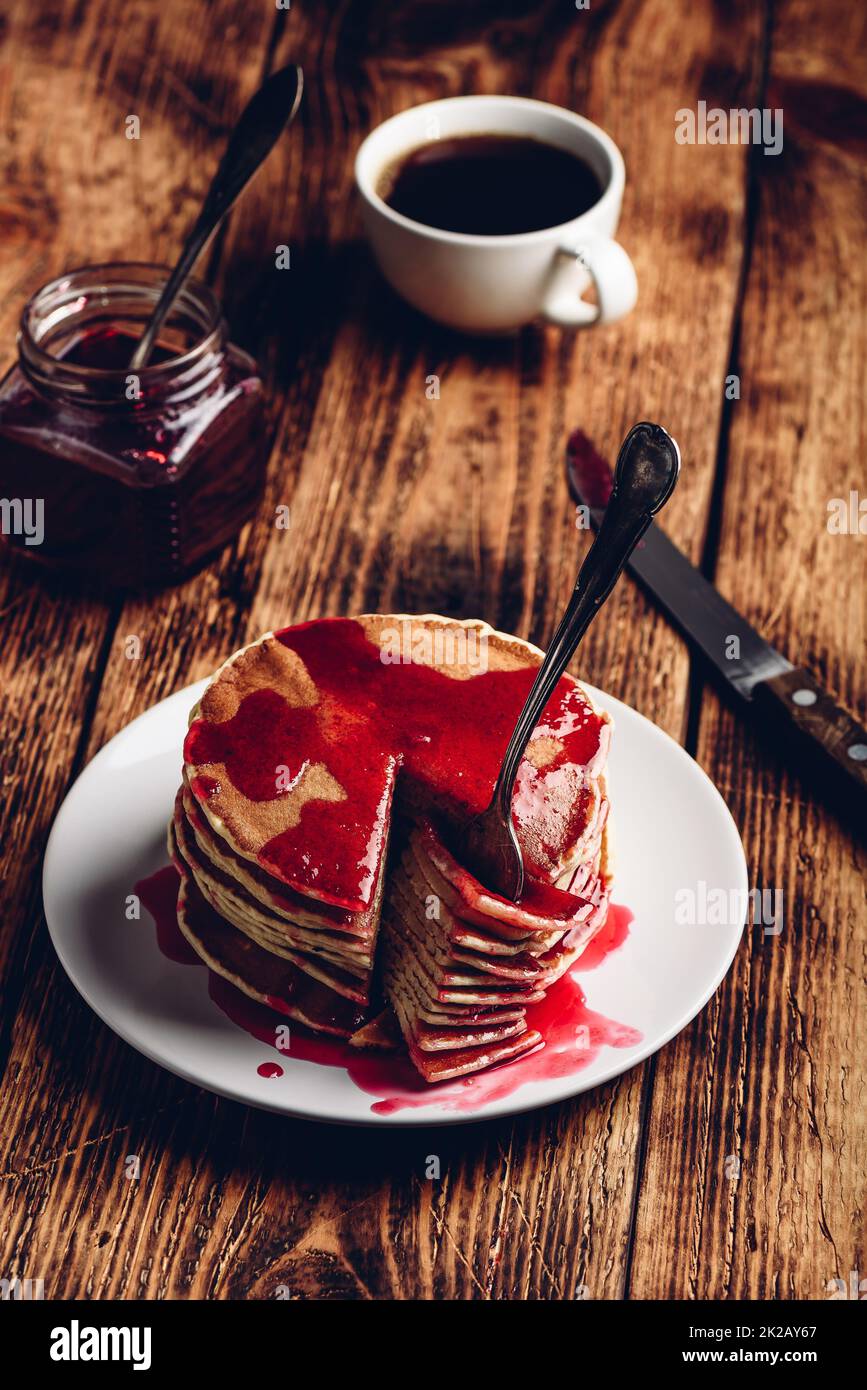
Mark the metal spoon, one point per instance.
(259, 127)
(647, 470)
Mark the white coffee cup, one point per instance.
(494, 284)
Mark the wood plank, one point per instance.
(773, 1076)
(75, 190)
(457, 504)
(70, 79)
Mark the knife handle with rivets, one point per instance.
(799, 698)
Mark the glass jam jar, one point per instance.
(132, 478)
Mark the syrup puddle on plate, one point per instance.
(573, 1032)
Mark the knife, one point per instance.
(749, 665)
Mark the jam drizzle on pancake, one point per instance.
(374, 719)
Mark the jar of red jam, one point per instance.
(131, 477)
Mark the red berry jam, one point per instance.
(131, 478)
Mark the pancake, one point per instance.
(257, 973)
(293, 751)
(471, 1004)
(325, 768)
(339, 962)
(273, 894)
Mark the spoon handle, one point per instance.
(647, 470)
(259, 127)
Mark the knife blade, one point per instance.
(751, 667)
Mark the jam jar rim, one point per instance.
(54, 373)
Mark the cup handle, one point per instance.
(611, 271)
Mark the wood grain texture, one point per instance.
(773, 1076)
(458, 505)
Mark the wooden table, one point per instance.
(749, 265)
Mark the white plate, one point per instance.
(673, 834)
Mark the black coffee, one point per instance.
(490, 185)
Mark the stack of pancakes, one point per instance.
(325, 770)
(305, 959)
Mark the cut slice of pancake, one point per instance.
(301, 752)
(471, 1005)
